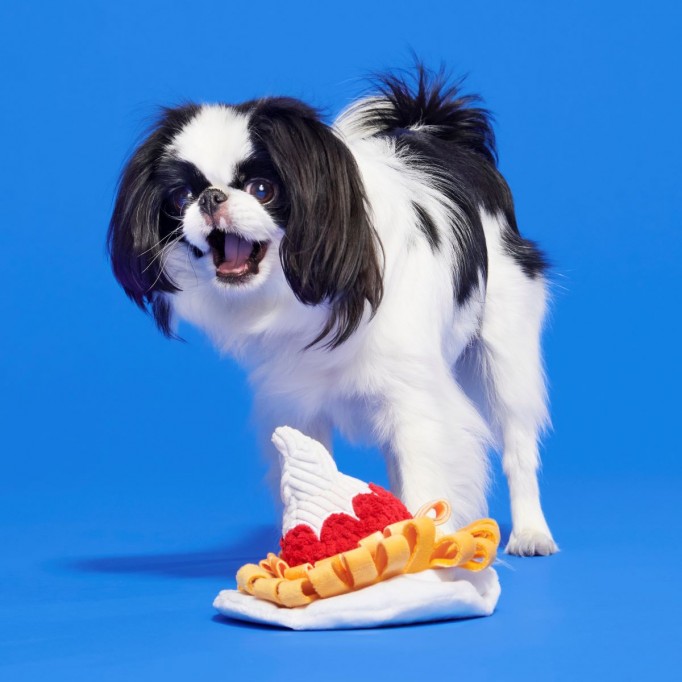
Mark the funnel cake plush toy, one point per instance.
(352, 555)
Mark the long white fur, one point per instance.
(433, 383)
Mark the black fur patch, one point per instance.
(162, 314)
(428, 99)
(330, 252)
(172, 173)
(141, 224)
(455, 143)
(452, 170)
(526, 253)
(427, 226)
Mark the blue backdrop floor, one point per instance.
(102, 590)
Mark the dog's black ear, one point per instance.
(139, 228)
(330, 251)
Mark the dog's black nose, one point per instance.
(210, 198)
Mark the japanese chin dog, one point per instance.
(369, 274)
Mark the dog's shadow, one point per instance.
(215, 562)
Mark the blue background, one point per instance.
(124, 508)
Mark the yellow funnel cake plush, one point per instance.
(352, 555)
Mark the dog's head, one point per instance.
(246, 190)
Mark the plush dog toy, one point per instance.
(352, 555)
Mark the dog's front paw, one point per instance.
(530, 542)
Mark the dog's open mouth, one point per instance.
(235, 258)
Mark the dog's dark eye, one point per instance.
(179, 199)
(260, 188)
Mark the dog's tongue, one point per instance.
(237, 252)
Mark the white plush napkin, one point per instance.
(435, 594)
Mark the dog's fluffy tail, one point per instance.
(421, 100)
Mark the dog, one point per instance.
(370, 276)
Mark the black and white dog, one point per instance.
(370, 275)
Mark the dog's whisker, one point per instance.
(166, 248)
(164, 252)
(162, 240)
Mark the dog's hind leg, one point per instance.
(512, 367)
